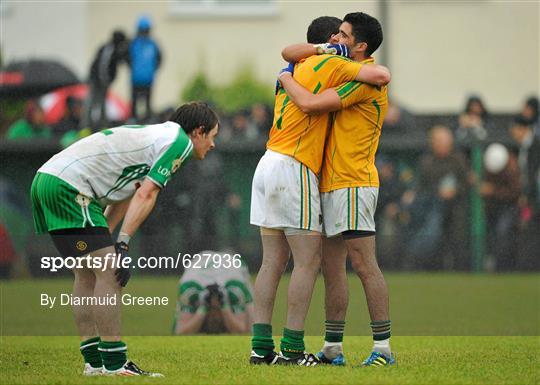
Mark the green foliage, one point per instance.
(243, 92)
(197, 89)
(11, 109)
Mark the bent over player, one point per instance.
(82, 193)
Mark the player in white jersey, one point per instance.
(82, 193)
(214, 296)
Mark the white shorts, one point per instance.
(349, 209)
(285, 194)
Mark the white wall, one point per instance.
(45, 30)
(441, 52)
(219, 46)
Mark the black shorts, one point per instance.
(79, 242)
(353, 234)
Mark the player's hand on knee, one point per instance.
(122, 273)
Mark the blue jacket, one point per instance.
(145, 58)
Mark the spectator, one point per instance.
(243, 128)
(145, 59)
(72, 117)
(388, 213)
(214, 299)
(530, 113)
(398, 119)
(261, 116)
(529, 162)
(501, 190)
(472, 122)
(102, 74)
(31, 126)
(437, 204)
(7, 253)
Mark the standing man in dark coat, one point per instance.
(102, 74)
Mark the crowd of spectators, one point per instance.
(424, 213)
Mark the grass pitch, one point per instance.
(223, 360)
(440, 323)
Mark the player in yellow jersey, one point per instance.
(349, 189)
(285, 201)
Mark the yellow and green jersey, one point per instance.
(296, 133)
(349, 154)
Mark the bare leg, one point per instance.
(364, 262)
(83, 286)
(306, 250)
(108, 317)
(334, 257)
(336, 299)
(275, 258)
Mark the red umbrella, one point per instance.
(54, 104)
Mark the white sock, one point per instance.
(332, 349)
(382, 347)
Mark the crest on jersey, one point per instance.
(176, 165)
(81, 245)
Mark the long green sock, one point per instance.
(113, 354)
(262, 342)
(89, 350)
(292, 343)
(334, 331)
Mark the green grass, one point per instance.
(223, 360)
(448, 329)
(420, 304)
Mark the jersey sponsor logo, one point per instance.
(164, 171)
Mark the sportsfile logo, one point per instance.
(112, 261)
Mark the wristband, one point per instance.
(124, 237)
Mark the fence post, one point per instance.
(478, 224)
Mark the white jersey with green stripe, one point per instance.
(109, 165)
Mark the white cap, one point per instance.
(495, 158)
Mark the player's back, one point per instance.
(349, 156)
(296, 133)
(104, 165)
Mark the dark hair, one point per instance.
(118, 37)
(322, 28)
(193, 115)
(476, 99)
(532, 102)
(520, 120)
(367, 29)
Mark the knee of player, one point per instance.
(360, 266)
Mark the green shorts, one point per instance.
(57, 205)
